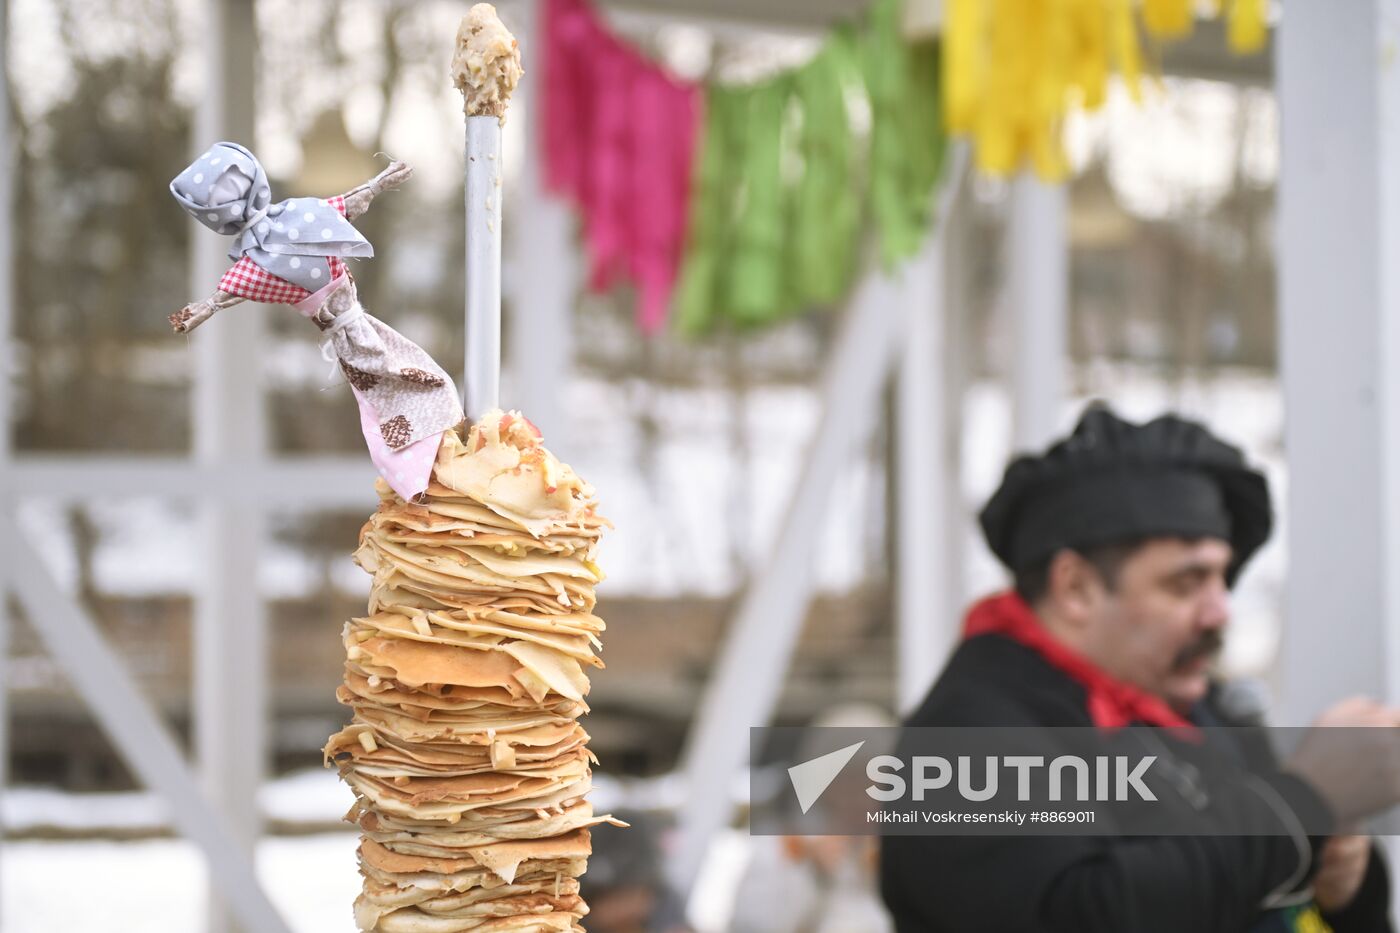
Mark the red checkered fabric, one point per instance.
(247, 279)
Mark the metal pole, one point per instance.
(483, 328)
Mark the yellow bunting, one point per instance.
(1013, 69)
(1246, 27)
(1167, 19)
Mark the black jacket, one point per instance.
(1067, 884)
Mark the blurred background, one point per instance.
(1153, 269)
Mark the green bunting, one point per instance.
(756, 282)
(825, 213)
(907, 141)
(784, 177)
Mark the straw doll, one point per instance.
(293, 252)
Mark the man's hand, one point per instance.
(1344, 860)
(1351, 757)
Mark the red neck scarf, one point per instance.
(1112, 703)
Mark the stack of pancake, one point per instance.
(466, 678)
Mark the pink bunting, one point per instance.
(619, 141)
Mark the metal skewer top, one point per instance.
(485, 68)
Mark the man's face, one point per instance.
(1163, 623)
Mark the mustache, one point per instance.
(1206, 646)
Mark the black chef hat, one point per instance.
(1112, 481)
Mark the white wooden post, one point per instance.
(958, 245)
(925, 589)
(1339, 309)
(542, 258)
(1037, 260)
(7, 504)
(230, 638)
(1339, 290)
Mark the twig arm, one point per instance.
(196, 313)
(358, 199)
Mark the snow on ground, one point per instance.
(309, 797)
(159, 886)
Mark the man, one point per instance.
(1124, 540)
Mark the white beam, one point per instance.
(543, 260)
(230, 639)
(1339, 290)
(101, 679)
(749, 674)
(1037, 257)
(7, 219)
(7, 175)
(958, 249)
(303, 483)
(926, 626)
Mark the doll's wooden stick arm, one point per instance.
(357, 199)
(196, 313)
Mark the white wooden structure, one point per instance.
(1340, 307)
(1339, 292)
